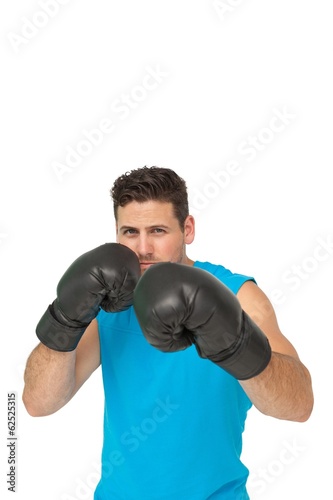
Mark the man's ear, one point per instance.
(189, 229)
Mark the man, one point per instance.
(179, 386)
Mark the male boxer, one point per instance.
(181, 367)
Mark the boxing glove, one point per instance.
(178, 305)
(105, 278)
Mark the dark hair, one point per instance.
(151, 183)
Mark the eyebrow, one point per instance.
(154, 226)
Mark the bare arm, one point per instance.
(69, 351)
(52, 378)
(284, 389)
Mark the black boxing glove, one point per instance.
(104, 277)
(178, 305)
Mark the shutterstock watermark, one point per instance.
(224, 8)
(248, 148)
(31, 27)
(130, 440)
(121, 107)
(265, 476)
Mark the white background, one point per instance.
(225, 74)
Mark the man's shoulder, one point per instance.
(231, 279)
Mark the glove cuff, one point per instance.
(55, 335)
(252, 355)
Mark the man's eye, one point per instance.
(130, 231)
(158, 230)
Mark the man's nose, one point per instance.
(144, 246)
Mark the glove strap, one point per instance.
(57, 336)
(252, 355)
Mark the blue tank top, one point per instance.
(173, 422)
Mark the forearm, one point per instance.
(49, 380)
(283, 390)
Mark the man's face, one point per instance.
(152, 231)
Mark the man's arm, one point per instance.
(103, 278)
(284, 389)
(238, 334)
(52, 377)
